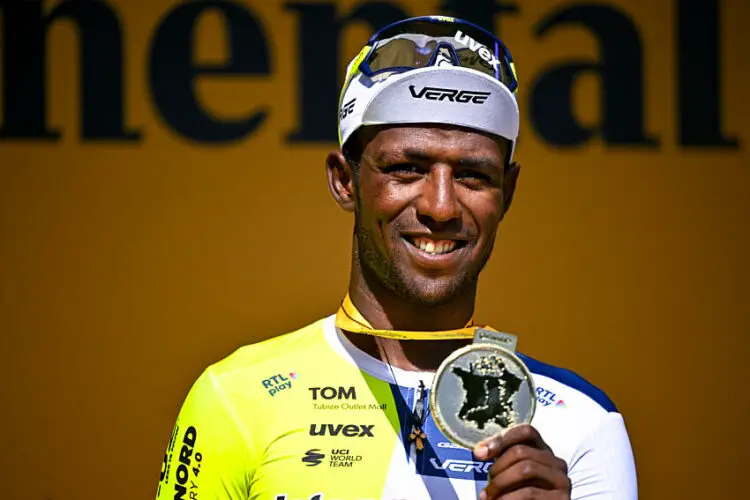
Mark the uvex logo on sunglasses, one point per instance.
(477, 47)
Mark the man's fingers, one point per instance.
(521, 452)
(527, 475)
(492, 447)
(526, 434)
(533, 494)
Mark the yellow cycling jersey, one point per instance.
(309, 416)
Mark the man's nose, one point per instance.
(439, 200)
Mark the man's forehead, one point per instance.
(426, 142)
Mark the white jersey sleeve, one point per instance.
(603, 467)
(583, 427)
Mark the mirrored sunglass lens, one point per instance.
(470, 59)
(401, 53)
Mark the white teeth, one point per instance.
(433, 247)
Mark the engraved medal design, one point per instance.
(480, 390)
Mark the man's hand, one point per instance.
(524, 468)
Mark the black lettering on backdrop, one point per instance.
(480, 12)
(25, 31)
(698, 69)
(318, 54)
(173, 74)
(621, 71)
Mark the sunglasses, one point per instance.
(434, 40)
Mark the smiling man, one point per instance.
(338, 409)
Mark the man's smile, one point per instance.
(434, 252)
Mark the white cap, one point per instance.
(443, 94)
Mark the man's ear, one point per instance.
(340, 180)
(510, 178)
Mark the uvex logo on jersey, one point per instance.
(349, 430)
(477, 47)
(279, 382)
(452, 95)
(546, 397)
(337, 458)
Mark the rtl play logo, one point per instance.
(279, 382)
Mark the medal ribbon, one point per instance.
(350, 319)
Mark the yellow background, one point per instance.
(126, 269)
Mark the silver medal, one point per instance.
(482, 389)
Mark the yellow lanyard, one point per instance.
(350, 319)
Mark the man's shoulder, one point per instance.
(271, 353)
(572, 383)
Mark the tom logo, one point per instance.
(348, 108)
(333, 392)
(446, 94)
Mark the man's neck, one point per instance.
(384, 310)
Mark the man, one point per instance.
(338, 409)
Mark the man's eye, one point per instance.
(401, 168)
(473, 175)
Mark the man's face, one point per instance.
(428, 204)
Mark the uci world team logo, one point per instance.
(342, 457)
(279, 382)
(313, 457)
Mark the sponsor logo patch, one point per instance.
(448, 94)
(453, 465)
(349, 430)
(189, 462)
(313, 457)
(348, 108)
(336, 458)
(333, 392)
(449, 444)
(279, 382)
(545, 397)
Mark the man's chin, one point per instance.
(435, 292)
